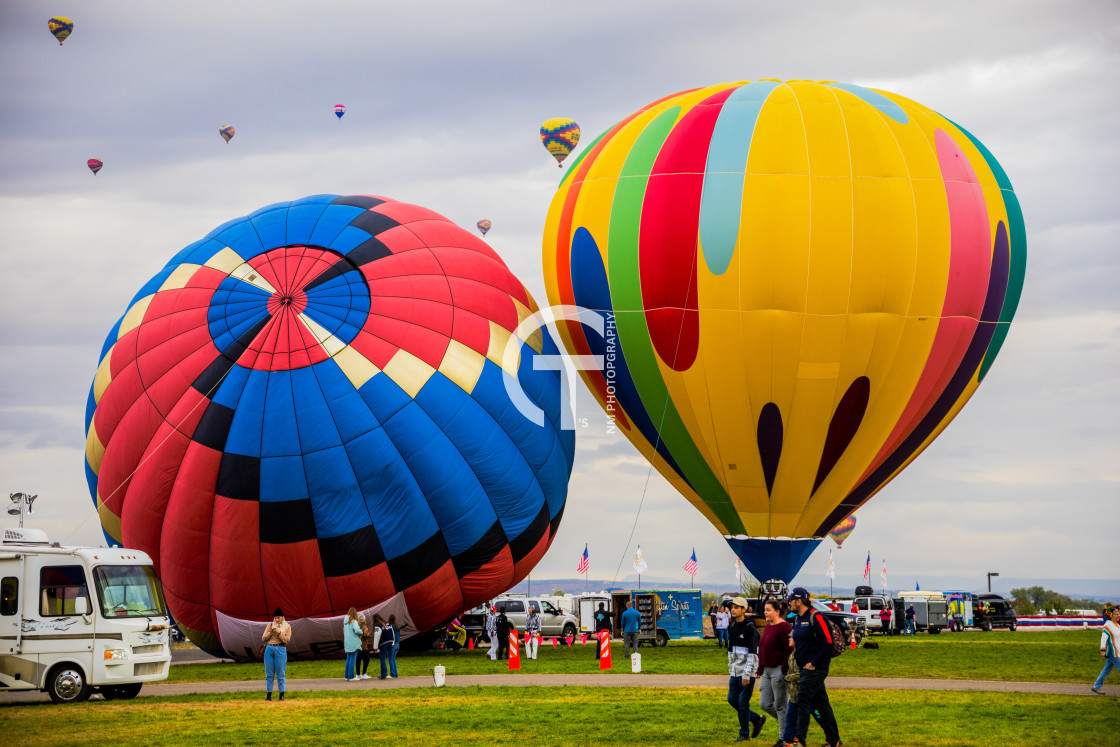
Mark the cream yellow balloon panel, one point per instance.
(803, 283)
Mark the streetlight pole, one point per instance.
(990, 574)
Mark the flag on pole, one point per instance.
(738, 570)
(639, 562)
(867, 568)
(690, 564)
(584, 561)
(831, 572)
(883, 575)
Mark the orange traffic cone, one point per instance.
(470, 643)
(853, 641)
(514, 651)
(604, 649)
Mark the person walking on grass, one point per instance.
(812, 642)
(631, 626)
(1110, 648)
(276, 637)
(742, 664)
(773, 654)
(885, 620)
(909, 621)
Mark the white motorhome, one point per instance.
(78, 619)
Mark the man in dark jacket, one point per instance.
(742, 665)
(602, 622)
(812, 641)
(504, 627)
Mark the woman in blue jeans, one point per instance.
(387, 644)
(275, 639)
(351, 642)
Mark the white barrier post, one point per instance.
(635, 662)
(441, 675)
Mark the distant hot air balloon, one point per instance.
(227, 132)
(802, 284)
(95, 165)
(60, 27)
(339, 110)
(560, 136)
(308, 409)
(483, 226)
(840, 532)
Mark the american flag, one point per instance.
(690, 564)
(584, 561)
(867, 568)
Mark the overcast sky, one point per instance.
(444, 100)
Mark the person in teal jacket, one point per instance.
(631, 625)
(351, 642)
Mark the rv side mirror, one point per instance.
(81, 607)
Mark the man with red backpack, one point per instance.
(813, 649)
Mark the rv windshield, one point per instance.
(128, 591)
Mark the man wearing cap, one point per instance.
(275, 639)
(742, 664)
(812, 641)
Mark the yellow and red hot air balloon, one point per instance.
(227, 132)
(483, 226)
(60, 27)
(843, 530)
(801, 284)
(560, 136)
(95, 165)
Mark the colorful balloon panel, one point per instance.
(227, 133)
(559, 136)
(60, 27)
(843, 530)
(804, 283)
(307, 408)
(483, 226)
(94, 165)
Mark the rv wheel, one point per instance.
(662, 639)
(67, 684)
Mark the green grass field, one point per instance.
(1063, 656)
(552, 717)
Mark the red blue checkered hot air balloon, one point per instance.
(339, 110)
(308, 409)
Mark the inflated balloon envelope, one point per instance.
(308, 409)
(803, 283)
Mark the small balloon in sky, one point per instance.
(483, 226)
(843, 530)
(95, 165)
(61, 28)
(339, 110)
(560, 136)
(227, 132)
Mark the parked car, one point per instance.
(993, 611)
(554, 621)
